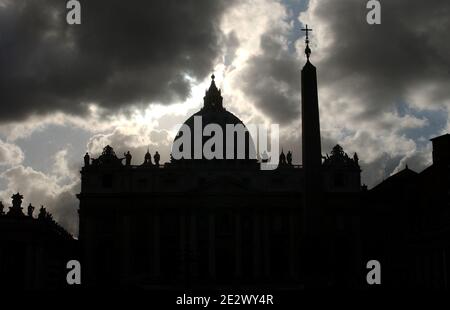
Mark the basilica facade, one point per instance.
(220, 222)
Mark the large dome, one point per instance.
(213, 112)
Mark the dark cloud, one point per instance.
(272, 80)
(384, 64)
(122, 53)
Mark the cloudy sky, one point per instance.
(133, 70)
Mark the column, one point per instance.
(257, 245)
(293, 237)
(212, 246)
(156, 246)
(238, 246)
(125, 249)
(184, 255)
(193, 246)
(266, 245)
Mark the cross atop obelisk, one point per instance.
(307, 30)
(307, 49)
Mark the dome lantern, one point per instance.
(213, 97)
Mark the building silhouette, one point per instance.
(406, 223)
(195, 222)
(214, 223)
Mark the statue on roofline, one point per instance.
(156, 158)
(147, 159)
(282, 158)
(16, 209)
(289, 158)
(127, 158)
(30, 210)
(87, 160)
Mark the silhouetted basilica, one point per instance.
(225, 223)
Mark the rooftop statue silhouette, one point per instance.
(87, 160)
(30, 210)
(157, 158)
(127, 158)
(356, 158)
(289, 158)
(43, 215)
(147, 159)
(282, 161)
